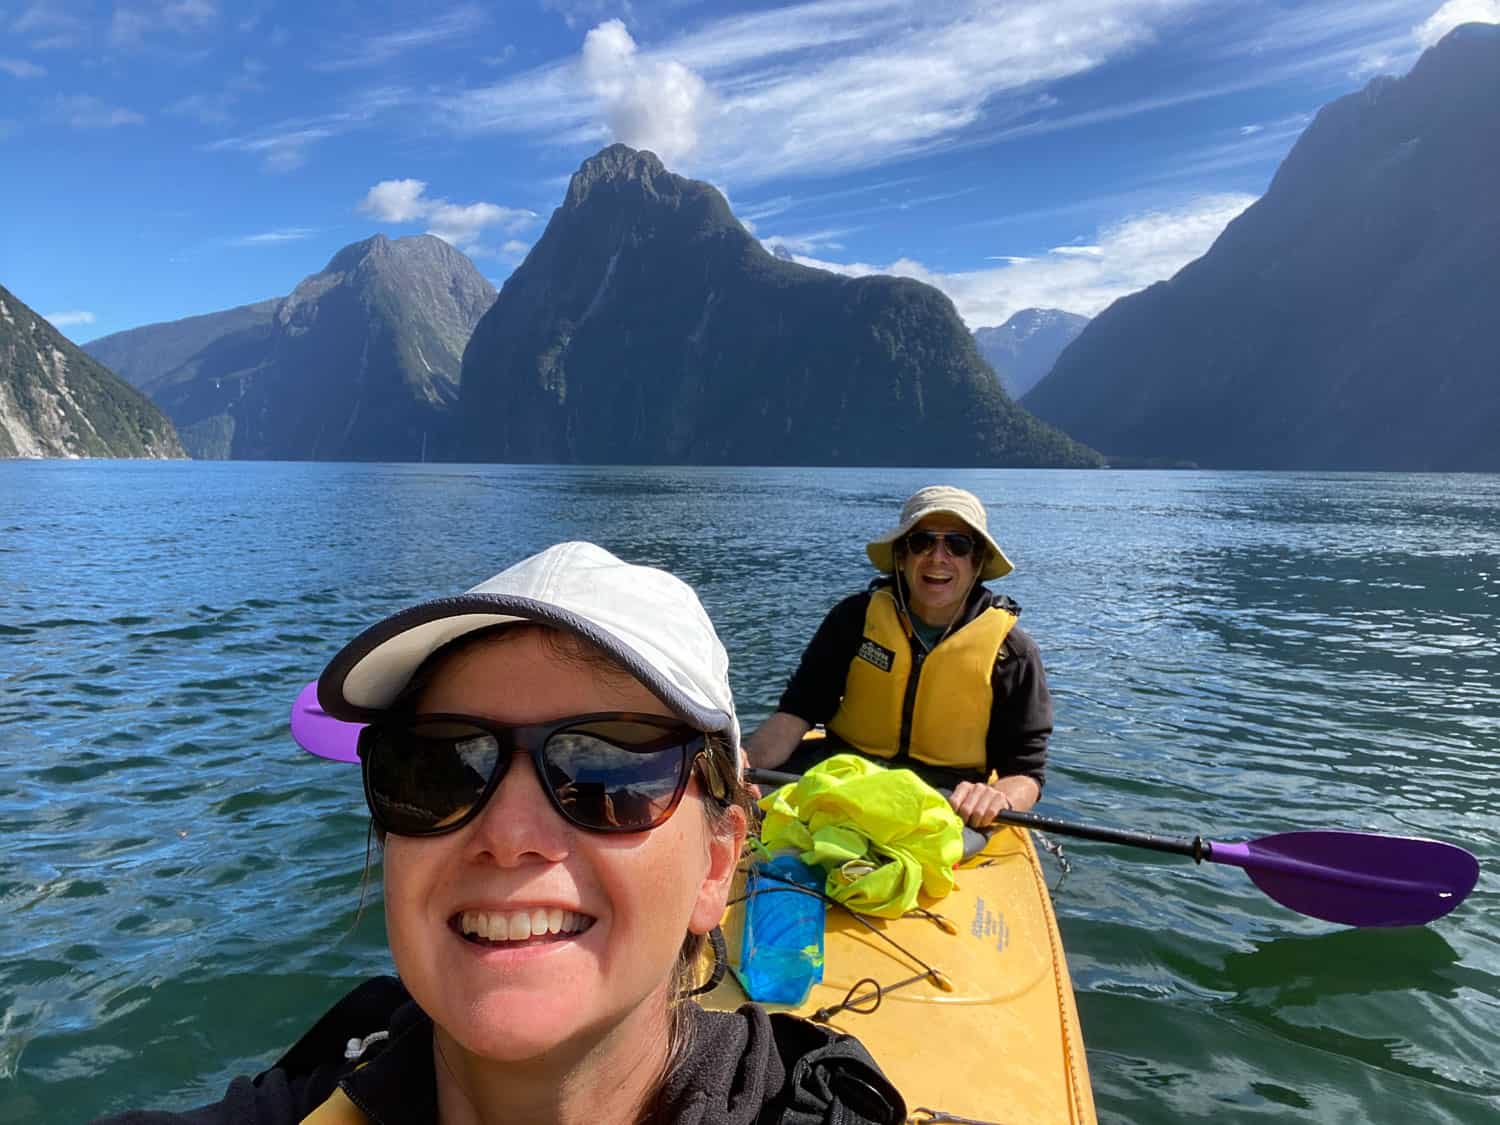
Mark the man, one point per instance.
(926, 669)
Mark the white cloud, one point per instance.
(50, 27)
(394, 201)
(809, 242)
(70, 318)
(1453, 13)
(814, 88)
(215, 108)
(274, 237)
(21, 68)
(461, 24)
(459, 224)
(514, 251)
(132, 23)
(1122, 258)
(84, 111)
(284, 147)
(653, 104)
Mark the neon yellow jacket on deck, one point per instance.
(884, 836)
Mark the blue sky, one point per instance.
(163, 158)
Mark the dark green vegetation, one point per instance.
(143, 356)
(360, 363)
(648, 327)
(1345, 321)
(56, 401)
(1024, 348)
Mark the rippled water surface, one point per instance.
(1235, 654)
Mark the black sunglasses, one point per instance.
(960, 544)
(614, 771)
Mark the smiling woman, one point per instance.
(926, 668)
(552, 765)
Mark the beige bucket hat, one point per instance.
(930, 501)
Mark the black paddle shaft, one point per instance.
(1198, 848)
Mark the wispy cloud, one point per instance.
(131, 24)
(814, 88)
(274, 237)
(1454, 13)
(459, 25)
(217, 107)
(47, 27)
(809, 242)
(1083, 278)
(84, 111)
(70, 319)
(21, 68)
(284, 146)
(461, 225)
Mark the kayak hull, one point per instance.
(1001, 1042)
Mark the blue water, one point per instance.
(1230, 653)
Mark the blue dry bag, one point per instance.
(781, 952)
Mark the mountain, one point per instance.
(1344, 321)
(359, 363)
(1024, 348)
(56, 401)
(142, 356)
(647, 326)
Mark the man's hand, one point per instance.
(977, 803)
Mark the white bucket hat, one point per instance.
(647, 620)
(947, 500)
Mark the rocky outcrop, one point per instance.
(56, 401)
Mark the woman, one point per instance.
(552, 767)
(926, 667)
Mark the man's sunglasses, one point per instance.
(614, 771)
(960, 544)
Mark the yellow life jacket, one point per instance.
(337, 1110)
(934, 707)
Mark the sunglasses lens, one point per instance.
(622, 775)
(959, 545)
(921, 541)
(422, 777)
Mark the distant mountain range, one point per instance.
(154, 352)
(1347, 320)
(1024, 348)
(56, 401)
(359, 363)
(647, 326)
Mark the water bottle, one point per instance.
(781, 951)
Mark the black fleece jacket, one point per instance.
(741, 1068)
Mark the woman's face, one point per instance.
(937, 583)
(625, 901)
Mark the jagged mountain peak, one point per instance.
(648, 326)
(616, 165)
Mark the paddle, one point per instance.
(1352, 878)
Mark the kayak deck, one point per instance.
(1004, 1045)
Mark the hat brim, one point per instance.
(369, 673)
(881, 551)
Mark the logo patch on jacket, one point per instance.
(872, 653)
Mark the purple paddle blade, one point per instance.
(1357, 878)
(318, 732)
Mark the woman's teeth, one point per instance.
(521, 925)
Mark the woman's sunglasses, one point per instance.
(960, 545)
(614, 771)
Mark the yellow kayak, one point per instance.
(996, 1037)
